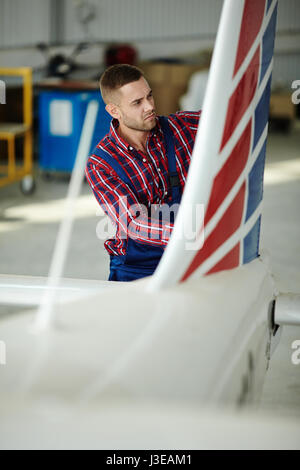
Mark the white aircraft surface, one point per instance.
(177, 360)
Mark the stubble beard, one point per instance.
(145, 127)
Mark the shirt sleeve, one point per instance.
(189, 119)
(121, 205)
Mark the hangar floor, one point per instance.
(28, 228)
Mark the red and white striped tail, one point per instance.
(226, 173)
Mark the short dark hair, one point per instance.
(117, 76)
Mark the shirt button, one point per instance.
(166, 193)
(159, 170)
(144, 160)
(130, 148)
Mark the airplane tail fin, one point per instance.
(226, 173)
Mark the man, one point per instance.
(137, 169)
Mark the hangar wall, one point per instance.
(157, 28)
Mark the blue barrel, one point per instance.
(61, 117)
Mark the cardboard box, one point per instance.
(281, 106)
(168, 82)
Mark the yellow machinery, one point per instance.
(12, 172)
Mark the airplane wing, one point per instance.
(29, 290)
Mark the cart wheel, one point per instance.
(28, 185)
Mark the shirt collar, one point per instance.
(119, 141)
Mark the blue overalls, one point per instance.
(142, 259)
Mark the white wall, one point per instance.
(158, 28)
(24, 22)
(147, 19)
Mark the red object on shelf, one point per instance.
(120, 54)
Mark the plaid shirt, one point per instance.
(148, 176)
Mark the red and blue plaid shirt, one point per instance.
(148, 176)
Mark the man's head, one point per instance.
(128, 97)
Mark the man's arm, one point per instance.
(121, 205)
(187, 122)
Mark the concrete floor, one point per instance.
(28, 227)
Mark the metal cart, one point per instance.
(10, 131)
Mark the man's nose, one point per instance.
(149, 106)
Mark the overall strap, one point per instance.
(115, 165)
(170, 148)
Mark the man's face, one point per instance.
(136, 106)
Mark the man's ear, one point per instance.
(113, 110)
